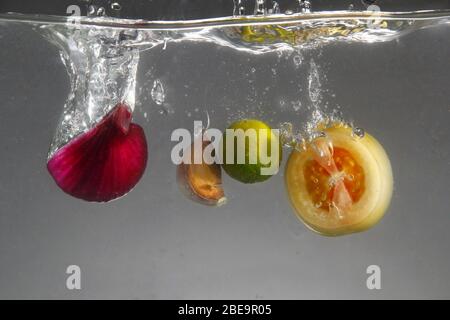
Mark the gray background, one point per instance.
(154, 243)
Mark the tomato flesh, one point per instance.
(321, 183)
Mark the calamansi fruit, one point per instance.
(340, 183)
(255, 151)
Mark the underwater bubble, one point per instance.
(101, 11)
(275, 8)
(91, 10)
(314, 85)
(157, 92)
(297, 105)
(297, 60)
(116, 6)
(289, 137)
(305, 6)
(286, 133)
(238, 9)
(358, 132)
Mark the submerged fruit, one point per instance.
(266, 34)
(263, 34)
(340, 183)
(260, 162)
(103, 163)
(201, 182)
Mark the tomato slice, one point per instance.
(340, 183)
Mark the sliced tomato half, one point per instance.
(340, 183)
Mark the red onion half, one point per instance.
(103, 163)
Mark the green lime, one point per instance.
(252, 142)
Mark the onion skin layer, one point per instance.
(103, 163)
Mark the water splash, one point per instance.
(102, 53)
(102, 72)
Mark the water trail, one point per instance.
(102, 72)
